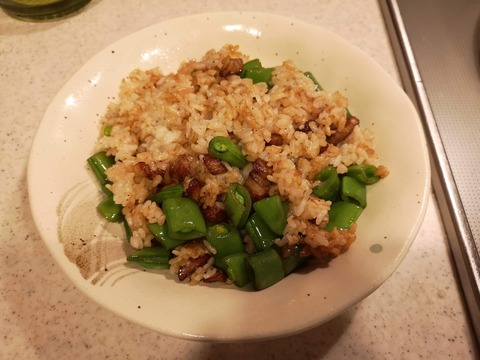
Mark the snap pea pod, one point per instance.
(110, 211)
(161, 235)
(106, 190)
(354, 191)
(184, 219)
(309, 75)
(328, 189)
(319, 87)
(151, 258)
(294, 260)
(226, 150)
(254, 70)
(250, 65)
(364, 173)
(100, 162)
(226, 240)
(235, 268)
(260, 75)
(238, 204)
(272, 211)
(342, 215)
(260, 233)
(128, 230)
(265, 268)
(174, 191)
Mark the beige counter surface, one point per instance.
(417, 314)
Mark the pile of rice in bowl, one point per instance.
(288, 130)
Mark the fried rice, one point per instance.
(159, 118)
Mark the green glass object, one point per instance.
(41, 10)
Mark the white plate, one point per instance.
(63, 194)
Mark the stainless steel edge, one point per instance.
(463, 247)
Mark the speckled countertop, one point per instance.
(417, 313)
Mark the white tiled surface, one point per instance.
(417, 314)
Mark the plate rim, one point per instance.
(405, 248)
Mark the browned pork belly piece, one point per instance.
(305, 127)
(180, 168)
(214, 214)
(218, 276)
(231, 66)
(275, 140)
(194, 189)
(339, 136)
(257, 182)
(214, 165)
(145, 170)
(193, 264)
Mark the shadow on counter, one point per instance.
(299, 346)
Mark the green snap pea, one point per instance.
(238, 204)
(254, 70)
(110, 211)
(226, 240)
(184, 219)
(265, 268)
(235, 268)
(354, 191)
(151, 258)
(272, 211)
(260, 75)
(329, 188)
(251, 65)
(100, 162)
(128, 230)
(342, 215)
(106, 190)
(161, 235)
(226, 150)
(294, 260)
(364, 173)
(309, 75)
(174, 191)
(260, 233)
(319, 87)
